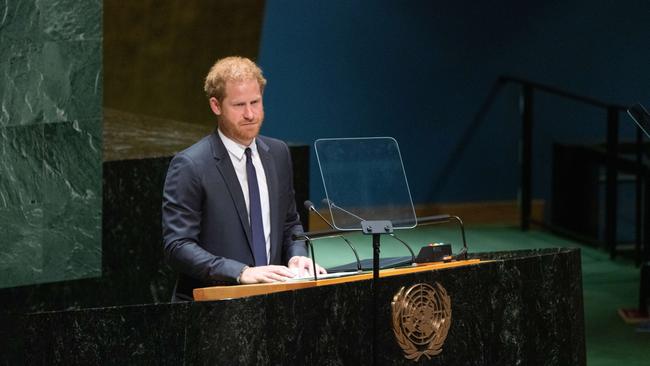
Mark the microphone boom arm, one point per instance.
(310, 207)
(406, 245)
(333, 205)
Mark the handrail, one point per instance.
(464, 140)
(563, 93)
(479, 116)
(528, 87)
(494, 91)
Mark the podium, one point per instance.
(506, 308)
(233, 292)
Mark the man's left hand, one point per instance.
(304, 267)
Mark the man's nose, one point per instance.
(248, 112)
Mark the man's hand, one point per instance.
(265, 274)
(303, 266)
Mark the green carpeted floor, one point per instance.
(607, 285)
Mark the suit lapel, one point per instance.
(272, 184)
(224, 165)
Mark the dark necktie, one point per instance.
(255, 210)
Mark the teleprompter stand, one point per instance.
(376, 229)
(367, 191)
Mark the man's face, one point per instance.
(241, 112)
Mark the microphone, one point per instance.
(436, 219)
(331, 204)
(309, 205)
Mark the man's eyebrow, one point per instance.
(244, 101)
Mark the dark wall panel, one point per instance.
(157, 53)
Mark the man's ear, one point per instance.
(215, 106)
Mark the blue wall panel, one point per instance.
(419, 70)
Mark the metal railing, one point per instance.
(528, 90)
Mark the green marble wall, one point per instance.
(50, 140)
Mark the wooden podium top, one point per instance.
(233, 292)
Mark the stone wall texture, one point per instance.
(50, 140)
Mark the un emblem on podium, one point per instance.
(421, 319)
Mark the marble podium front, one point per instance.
(520, 307)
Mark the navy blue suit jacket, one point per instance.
(206, 231)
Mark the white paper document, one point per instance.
(324, 276)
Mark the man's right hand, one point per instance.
(265, 274)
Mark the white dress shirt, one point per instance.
(237, 154)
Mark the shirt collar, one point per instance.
(236, 149)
